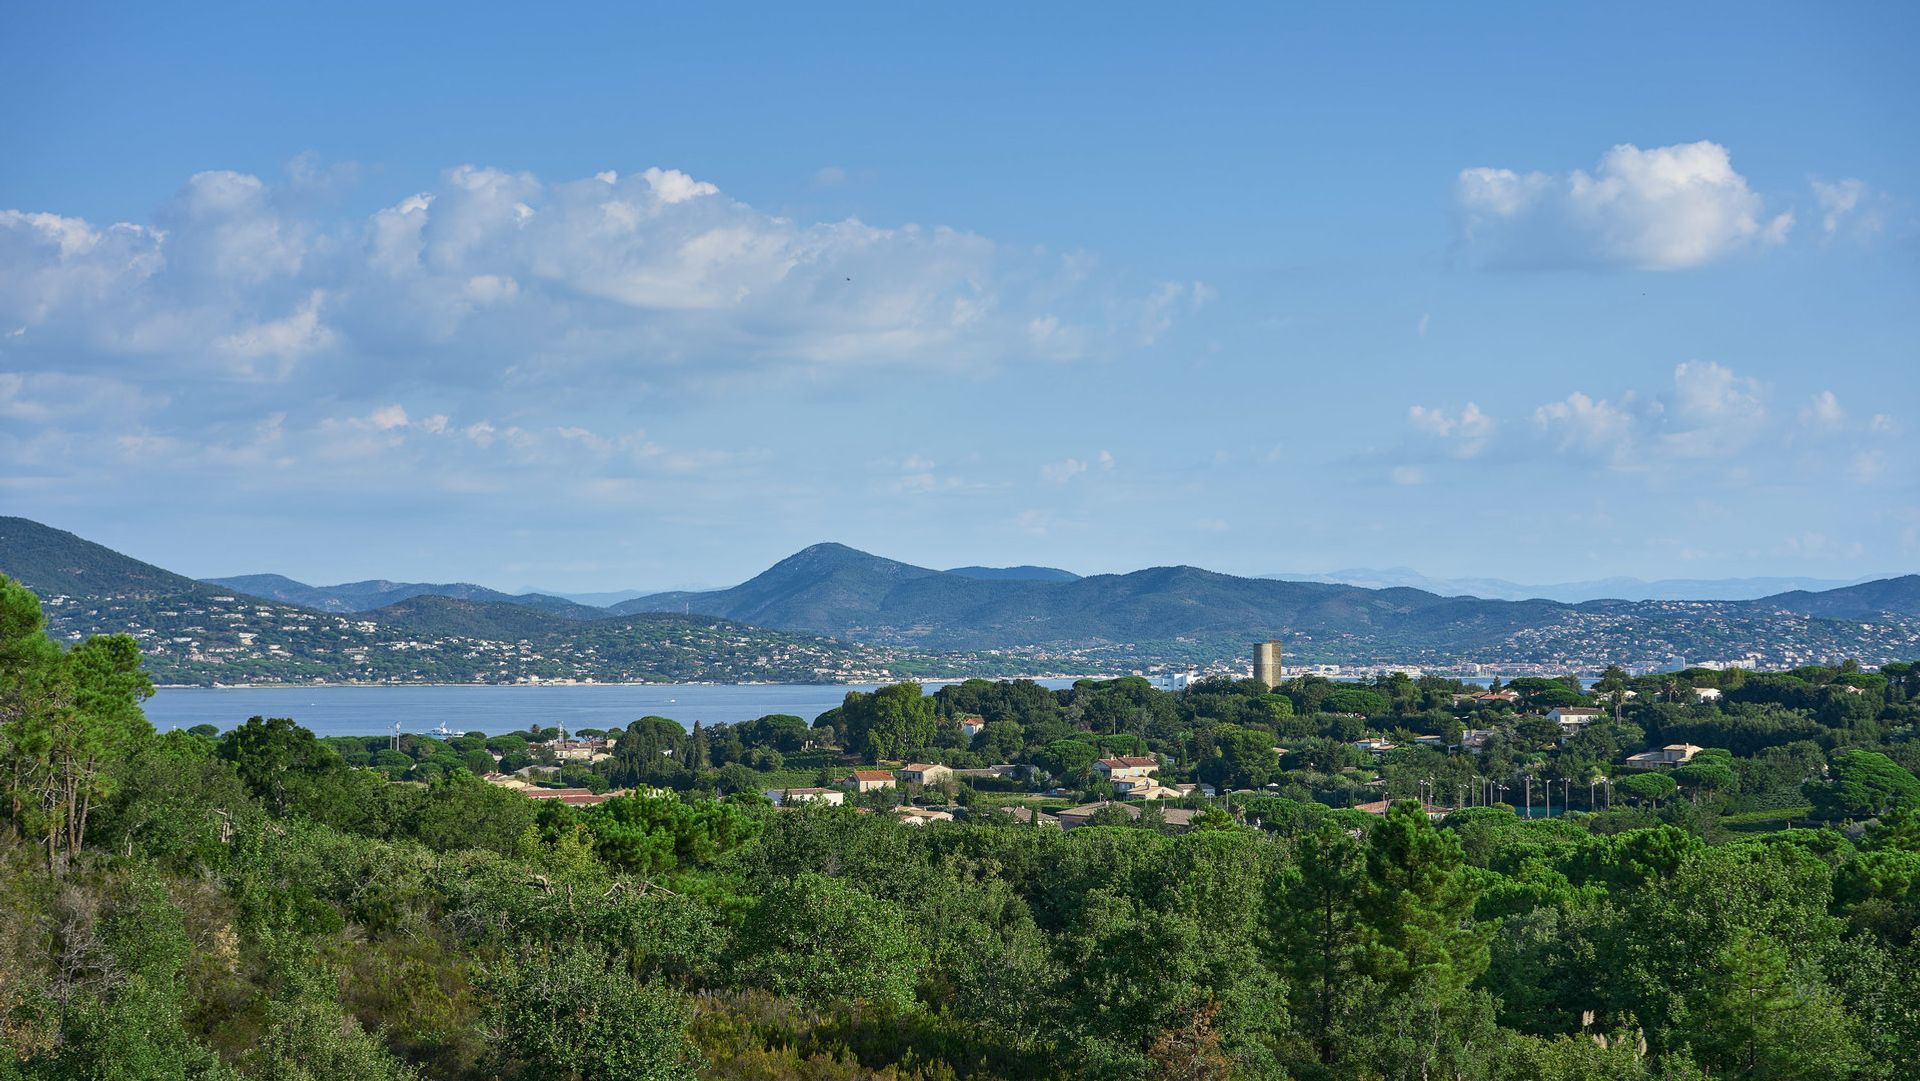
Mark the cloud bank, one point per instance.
(495, 274)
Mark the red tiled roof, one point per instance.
(872, 775)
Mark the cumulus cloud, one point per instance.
(1824, 411)
(1712, 411)
(1709, 411)
(494, 271)
(1579, 422)
(1663, 208)
(1466, 432)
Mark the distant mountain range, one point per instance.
(218, 632)
(1016, 574)
(1185, 611)
(884, 615)
(379, 593)
(1626, 589)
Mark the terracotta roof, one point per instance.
(919, 767)
(872, 775)
(1129, 762)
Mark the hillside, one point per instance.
(1900, 596)
(1015, 574)
(379, 593)
(1186, 614)
(833, 613)
(200, 633)
(1619, 588)
(53, 562)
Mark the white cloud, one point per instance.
(1844, 200)
(1408, 475)
(1710, 412)
(1156, 314)
(1664, 208)
(1824, 411)
(285, 339)
(388, 417)
(1579, 422)
(1063, 471)
(1467, 431)
(494, 271)
(673, 186)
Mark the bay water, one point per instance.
(372, 711)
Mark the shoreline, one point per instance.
(388, 685)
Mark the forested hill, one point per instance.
(1175, 612)
(379, 593)
(199, 633)
(801, 614)
(53, 562)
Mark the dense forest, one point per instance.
(262, 903)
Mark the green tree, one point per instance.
(649, 834)
(66, 719)
(890, 722)
(1319, 941)
(566, 1014)
(1861, 784)
(1418, 905)
(1069, 760)
(1647, 787)
(278, 759)
(1760, 1023)
(822, 940)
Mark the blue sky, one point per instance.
(615, 297)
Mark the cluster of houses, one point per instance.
(1572, 721)
(1131, 778)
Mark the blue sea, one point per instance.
(372, 711)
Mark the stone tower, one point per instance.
(1266, 663)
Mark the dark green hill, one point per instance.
(835, 590)
(1864, 601)
(54, 562)
(1188, 614)
(198, 632)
